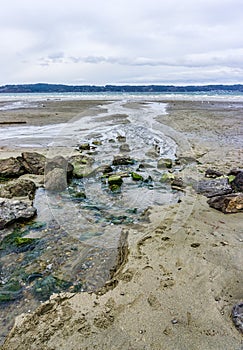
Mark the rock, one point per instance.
(122, 160)
(11, 167)
(237, 316)
(81, 166)
(33, 162)
(124, 148)
(121, 138)
(106, 169)
(186, 160)
(18, 188)
(167, 177)
(56, 180)
(212, 188)
(177, 183)
(231, 203)
(97, 142)
(152, 153)
(84, 147)
(234, 171)
(59, 162)
(213, 173)
(115, 180)
(164, 163)
(136, 177)
(37, 179)
(115, 188)
(12, 210)
(237, 183)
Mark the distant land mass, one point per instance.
(49, 88)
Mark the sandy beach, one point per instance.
(180, 271)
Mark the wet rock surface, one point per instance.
(12, 210)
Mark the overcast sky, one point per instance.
(121, 41)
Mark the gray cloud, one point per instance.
(132, 41)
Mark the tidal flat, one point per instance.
(170, 268)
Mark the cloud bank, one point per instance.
(121, 42)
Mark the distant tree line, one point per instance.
(45, 88)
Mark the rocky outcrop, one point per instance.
(212, 188)
(11, 167)
(18, 188)
(33, 162)
(231, 203)
(12, 210)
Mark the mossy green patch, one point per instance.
(136, 177)
(115, 180)
(21, 241)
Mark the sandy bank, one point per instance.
(183, 269)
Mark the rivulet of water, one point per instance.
(73, 241)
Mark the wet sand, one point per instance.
(181, 270)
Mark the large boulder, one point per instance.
(212, 188)
(56, 180)
(18, 188)
(57, 172)
(12, 210)
(33, 162)
(11, 167)
(231, 203)
(61, 163)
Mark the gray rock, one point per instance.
(59, 162)
(18, 188)
(12, 210)
(33, 162)
(164, 163)
(56, 180)
(237, 316)
(231, 203)
(11, 167)
(124, 148)
(212, 188)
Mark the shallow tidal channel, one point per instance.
(73, 243)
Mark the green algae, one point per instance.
(136, 177)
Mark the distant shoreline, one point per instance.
(55, 88)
